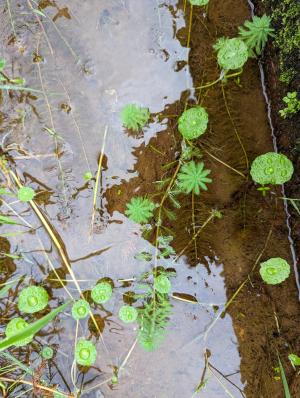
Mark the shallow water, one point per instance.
(98, 56)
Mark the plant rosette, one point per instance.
(80, 309)
(128, 314)
(232, 53)
(85, 353)
(140, 210)
(162, 284)
(25, 194)
(193, 177)
(47, 352)
(274, 271)
(134, 117)
(101, 293)
(271, 168)
(193, 123)
(33, 299)
(14, 327)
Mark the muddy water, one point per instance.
(89, 59)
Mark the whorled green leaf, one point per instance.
(193, 123)
(162, 284)
(33, 299)
(193, 177)
(80, 309)
(232, 53)
(32, 328)
(140, 210)
(47, 352)
(85, 353)
(275, 270)
(271, 168)
(134, 117)
(25, 194)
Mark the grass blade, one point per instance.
(287, 393)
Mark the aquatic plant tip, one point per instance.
(80, 309)
(134, 117)
(101, 293)
(88, 176)
(15, 326)
(271, 168)
(232, 53)
(193, 176)
(33, 299)
(140, 210)
(274, 271)
(25, 194)
(162, 284)
(47, 352)
(128, 314)
(85, 353)
(193, 123)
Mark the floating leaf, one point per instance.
(275, 270)
(193, 123)
(15, 326)
(102, 292)
(33, 299)
(25, 194)
(47, 352)
(271, 168)
(199, 2)
(85, 353)
(80, 309)
(232, 53)
(128, 314)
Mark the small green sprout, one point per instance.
(33, 299)
(255, 34)
(2, 64)
(140, 210)
(271, 168)
(80, 309)
(128, 314)
(274, 271)
(232, 53)
(162, 284)
(88, 176)
(134, 117)
(85, 353)
(295, 360)
(199, 2)
(15, 326)
(293, 105)
(193, 176)
(25, 194)
(47, 352)
(102, 292)
(193, 123)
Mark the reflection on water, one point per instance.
(107, 54)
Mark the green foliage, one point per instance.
(47, 352)
(287, 393)
(193, 176)
(293, 105)
(31, 329)
(295, 360)
(271, 168)
(88, 176)
(15, 326)
(2, 64)
(33, 299)
(193, 123)
(140, 210)
(25, 194)
(199, 2)
(134, 117)
(255, 34)
(274, 271)
(153, 320)
(232, 53)
(102, 292)
(165, 249)
(80, 309)
(85, 353)
(162, 284)
(128, 314)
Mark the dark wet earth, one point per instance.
(88, 59)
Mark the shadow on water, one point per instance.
(89, 59)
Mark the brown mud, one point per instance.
(241, 338)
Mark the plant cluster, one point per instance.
(134, 117)
(292, 105)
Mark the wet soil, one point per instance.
(241, 339)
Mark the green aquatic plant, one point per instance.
(15, 326)
(128, 314)
(294, 359)
(293, 105)
(232, 53)
(199, 2)
(193, 123)
(193, 176)
(102, 292)
(25, 194)
(2, 64)
(134, 117)
(33, 299)
(153, 320)
(140, 210)
(47, 352)
(271, 168)
(255, 34)
(80, 309)
(88, 176)
(85, 352)
(274, 271)
(162, 284)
